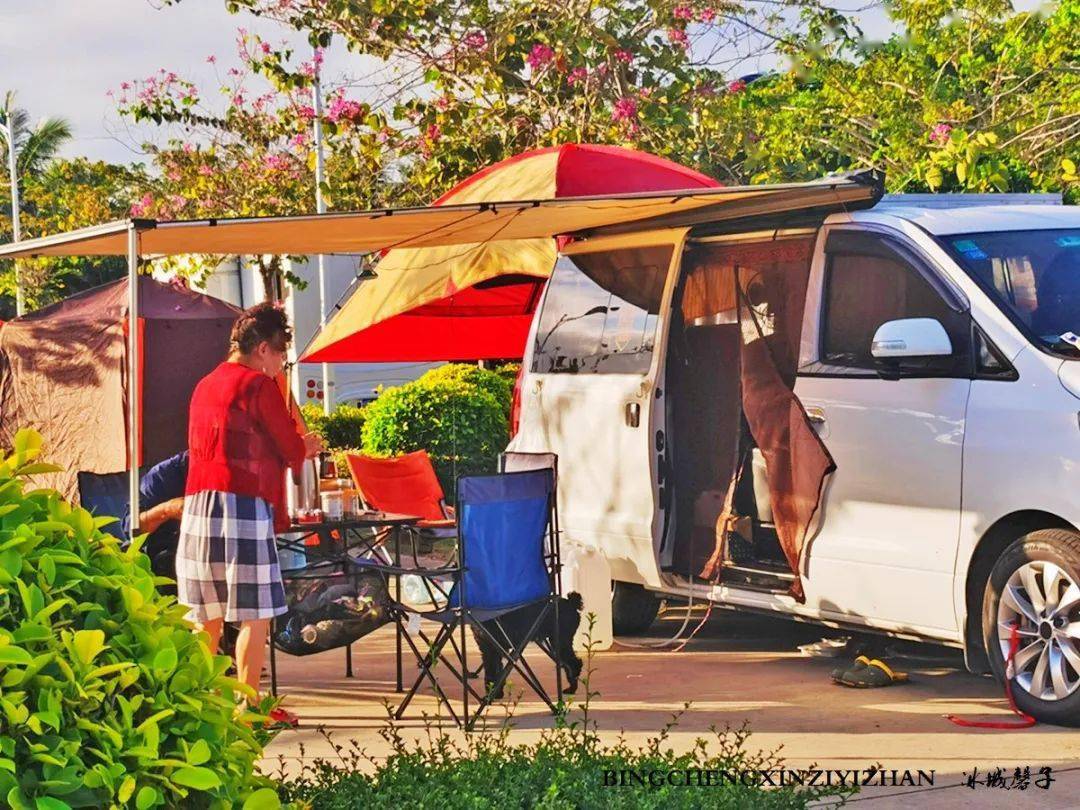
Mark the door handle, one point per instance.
(816, 415)
(633, 414)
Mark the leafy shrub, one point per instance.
(342, 428)
(563, 769)
(459, 414)
(493, 382)
(107, 698)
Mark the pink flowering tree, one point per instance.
(470, 83)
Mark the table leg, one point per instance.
(397, 595)
(273, 660)
(348, 661)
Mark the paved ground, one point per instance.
(738, 668)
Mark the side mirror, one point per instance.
(910, 339)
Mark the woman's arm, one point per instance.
(152, 518)
(272, 413)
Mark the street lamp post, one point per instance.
(20, 304)
(320, 208)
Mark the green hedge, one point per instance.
(107, 697)
(342, 428)
(458, 413)
(564, 769)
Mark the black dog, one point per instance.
(511, 628)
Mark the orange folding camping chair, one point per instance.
(406, 485)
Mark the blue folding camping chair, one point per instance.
(504, 523)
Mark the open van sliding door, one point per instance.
(590, 392)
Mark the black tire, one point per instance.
(633, 609)
(1061, 547)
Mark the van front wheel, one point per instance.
(1032, 600)
(633, 609)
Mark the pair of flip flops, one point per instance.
(867, 673)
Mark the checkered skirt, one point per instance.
(226, 563)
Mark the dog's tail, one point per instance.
(574, 600)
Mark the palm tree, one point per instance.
(28, 152)
(34, 148)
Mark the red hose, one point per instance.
(1026, 720)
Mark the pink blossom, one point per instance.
(341, 108)
(211, 59)
(433, 133)
(174, 175)
(238, 99)
(265, 47)
(125, 85)
(233, 72)
(540, 56)
(736, 86)
(276, 162)
(707, 15)
(205, 170)
(308, 69)
(188, 148)
(578, 74)
(299, 140)
(384, 135)
(940, 133)
(676, 36)
(683, 13)
(305, 112)
(170, 78)
(177, 201)
(625, 109)
(317, 57)
(143, 206)
(477, 41)
(624, 56)
(442, 103)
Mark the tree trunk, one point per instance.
(270, 271)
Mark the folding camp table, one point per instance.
(338, 544)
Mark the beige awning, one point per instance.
(369, 231)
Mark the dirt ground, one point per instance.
(739, 668)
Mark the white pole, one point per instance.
(134, 383)
(320, 208)
(20, 303)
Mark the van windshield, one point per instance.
(1033, 275)
(600, 312)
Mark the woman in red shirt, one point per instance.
(241, 438)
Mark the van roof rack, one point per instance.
(960, 200)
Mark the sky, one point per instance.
(62, 56)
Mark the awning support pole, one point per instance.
(134, 383)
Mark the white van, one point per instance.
(935, 355)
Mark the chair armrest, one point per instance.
(448, 523)
(425, 573)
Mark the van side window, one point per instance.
(863, 291)
(600, 312)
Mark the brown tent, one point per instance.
(63, 372)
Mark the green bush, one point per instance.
(107, 698)
(342, 428)
(473, 376)
(459, 414)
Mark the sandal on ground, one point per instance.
(872, 675)
(859, 662)
(283, 718)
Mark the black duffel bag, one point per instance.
(331, 611)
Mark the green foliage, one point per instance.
(107, 697)
(342, 428)
(565, 768)
(473, 376)
(458, 413)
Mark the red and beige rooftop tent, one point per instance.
(461, 224)
(476, 301)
